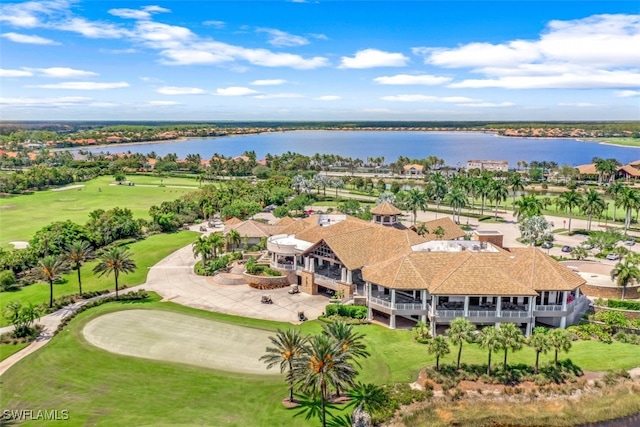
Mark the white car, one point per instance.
(613, 257)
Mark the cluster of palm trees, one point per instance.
(503, 338)
(318, 366)
(209, 247)
(116, 260)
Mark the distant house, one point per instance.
(412, 169)
(488, 165)
(628, 172)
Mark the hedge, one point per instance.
(352, 311)
(624, 305)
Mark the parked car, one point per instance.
(269, 208)
(587, 246)
(630, 241)
(612, 257)
(546, 245)
(566, 249)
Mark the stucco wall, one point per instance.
(632, 292)
(266, 282)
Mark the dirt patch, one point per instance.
(174, 337)
(71, 187)
(8, 207)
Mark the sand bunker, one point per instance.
(174, 337)
(71, 187)
(19, 245)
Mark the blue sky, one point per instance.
(319, 60)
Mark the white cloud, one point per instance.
(488, 104)
(28, 39)
(31, 14)
(15, 73)
(145, 13)
(279, 95)
(118, 51)
(407, 79)
(429, 98)
(215, 24)
(93, 30)
(174, 90)
(235, 91)
(156, 9)
(271, 82)
(577, 104)
(104, 104)
(627, 93)
(328, 98)
(44, 102)
(370, 58)
(281, 38)
(318, 36)
(588, 53)
(83, 85)
(588, 79)
(163, 103)
(64, 72)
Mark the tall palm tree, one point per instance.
(569, 200)
(324, 364)
(614, 191)
(592, 204)
(459, 332)
(437, 189)
(350, 341)
(457, 199)
(516, 184)
(559, 340)
(438, 346)
(287, 348)
(77, 253)
(510, 338)
(527, 206)
(367, 397)
(217, 242)
(498, 192)
(116, 260)
(233, 239)
(539, 341)
(624, 273)
(415, 200)
(629, 199)
(50, 269)
(202, 247)
(489, 338)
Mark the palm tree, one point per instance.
(614, 191)
(422, 229)
(367, 397)
(77, 253)
(336, 183)
(202, 247)
(324, 364)
(413, 200)
(115, 260)
(457, 199)
(592, 204)
(50, 269)
(437, 189)
(350, 341)
(438, 346)
(510, 338)
(489, 338)
(498, 192)
(539, 341)
(516, 184)
(287, 348)
(559, 340)
(629, 199)
(527, 206)
(459, 332)
(217, 242)
(233, 240)
(624, 273)
(570, 200)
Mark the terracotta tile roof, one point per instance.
(386, 208)
(541, 272)
(452, 231)
(251, 228)
(635, 163)
(589, 169)
(287, 220)
(413, 166)
(477, 273)
(232, 221)
(414, 270)
(629, 170)
(317, 232)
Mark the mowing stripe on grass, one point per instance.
(174, 337)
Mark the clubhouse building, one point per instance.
(403, 277)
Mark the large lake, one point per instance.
(453, 147)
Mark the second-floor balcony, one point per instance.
(403, 306)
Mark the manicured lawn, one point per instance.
(7, 350)
(107, 389)
(21, 216)
(146, 253)
(630, 142)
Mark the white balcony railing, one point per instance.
(512, 313)
(549, 307)
(409, 306)
(324, 279)
(380, 302)
(482, 313)
(289, 267)
(449, 313)
(398, 306)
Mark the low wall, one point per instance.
(632, 292)
(629, 314)
(266, 282)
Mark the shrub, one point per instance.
(623, 304)
(350, 311)
(8, 281)
(612, 318)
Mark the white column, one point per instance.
(369, 310)
(349, 277)
(532, 304)
(312, 264)
(529, 329)
(498, 311)
(563, 319)
(423, 295)
(577, 293)
(343, 275)
(306, 263)
(466, 307)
